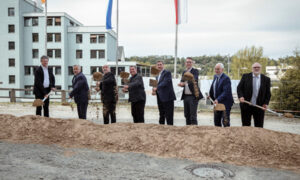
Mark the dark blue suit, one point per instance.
(165, 97)
(80, 93)
(224, 96)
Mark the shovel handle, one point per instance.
(210, 99)
(47, 96)
(279, 114)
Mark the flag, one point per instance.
(108, 14)
(181, 11)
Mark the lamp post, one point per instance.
(239, 71)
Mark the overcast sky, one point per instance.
(147, 27)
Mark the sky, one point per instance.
(147, 27)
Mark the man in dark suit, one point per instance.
(191, 93)
(165, 95)
(137, 95)
(44, 82)
(220, 92)
(80, 91)
(108, 95)
(254, 87)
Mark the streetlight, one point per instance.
(239, 71)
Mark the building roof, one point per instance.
(53, 14)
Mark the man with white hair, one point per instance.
(254, 87)
(220, 92)
(80, 91)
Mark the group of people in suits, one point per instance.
(254, 87)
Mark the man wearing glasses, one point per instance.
(255, 88)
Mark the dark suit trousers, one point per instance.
(82, 109)
(45, 106)
(109, 109)
(166, 111)
(190, 109)
(258, 116)
(219, 118)
(137, 111)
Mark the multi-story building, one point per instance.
(22, 43)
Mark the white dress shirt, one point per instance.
(46, 77)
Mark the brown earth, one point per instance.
(247, 146)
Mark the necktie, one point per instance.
(216, 86)
(255, 91)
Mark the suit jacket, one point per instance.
(195, 72)
(165, 88)
(136, 89)
(107, 87)
(223, 91)
(245, 89)
(80, 89)
(38, 88)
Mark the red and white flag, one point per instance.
(181, 11)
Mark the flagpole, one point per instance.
(117, 43)
(46, 27)
(175, 61)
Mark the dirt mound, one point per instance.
(235, 145)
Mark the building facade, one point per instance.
(23, 36)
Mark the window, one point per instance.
(26, 21)
(35, 21)
(93, 69)
(101, 38)
(57, 37)
(93, 38)
(70, 70)
(101, 54)
(78, 54)
(50, 53)
(57, 70)
(78, 38)
(120, 69)
(57, 21)
(71, 23)
(11, 79)
(35, 53)
(28, 92)
(35, 37)
(27, 70)
(11, 28)
(93, 54)
(49, 37)
(11, 11)
(49, 21)
(11, 62)
(11, 45)
(57, 53)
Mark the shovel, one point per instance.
(68, 104)
(219, 107)
(39, 102)
(260, 107)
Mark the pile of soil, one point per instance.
(206, 144)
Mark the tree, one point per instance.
(287, 95)
(243, 60)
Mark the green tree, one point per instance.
(287, 95)
(243, 60)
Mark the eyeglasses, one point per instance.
(256, 67)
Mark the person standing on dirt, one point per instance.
(137, 95)
(220, 91)
(108, 95)
(80, 91)
(44, 82)
(254, 87)
(189, 96)
(165, 95)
